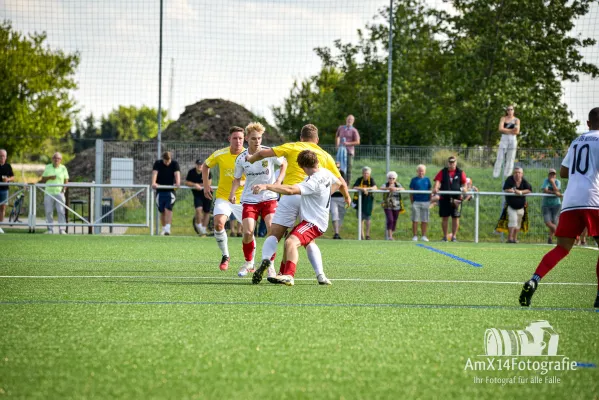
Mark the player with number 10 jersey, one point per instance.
(580, 208)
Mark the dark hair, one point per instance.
(309, 132)
(510, 105)
(307, 159)
(594, 118)
(234, 129)
(167, 155)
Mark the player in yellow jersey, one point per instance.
(289, 206)
(225, 159)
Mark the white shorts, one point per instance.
(287, 211)
(420, 211)
(224, 207)
(514, 217)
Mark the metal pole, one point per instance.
(389, 76)
(99, 180)
(159, 96)
(360, 215)
(476, 216)
(160, 85)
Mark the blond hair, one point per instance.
(254, 127)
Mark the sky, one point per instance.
(246, 51)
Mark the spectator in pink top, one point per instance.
(348, 136)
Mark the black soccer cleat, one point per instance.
(527, 291)
(259, 273)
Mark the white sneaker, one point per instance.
(164, 233)
(246, 268)
(424, 239)
(1, 231)
(323, 280)
(62, 232)
(415, 239)
(49, 232)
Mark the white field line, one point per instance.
(297, 279)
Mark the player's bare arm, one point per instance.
(177, 178)
(207, 188)
(260, 155)
(282, 172)
(234, 186)
(154, 177)
(282, 189)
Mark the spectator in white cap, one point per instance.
(551, 206)
(392, 204)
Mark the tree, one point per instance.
(452, 75)
(514, 51)
(132, 123)
(35, 94)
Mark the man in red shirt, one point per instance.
(450, 178)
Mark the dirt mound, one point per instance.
(209, 120)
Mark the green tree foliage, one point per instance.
(35, 90)
(514, 51)
(132, 123)
(453, 74)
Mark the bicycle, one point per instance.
(16, 208)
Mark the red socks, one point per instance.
(248, 250)
(289, 269)
(551, 259)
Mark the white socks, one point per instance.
(315, 258)
(269, 247)
(222, 241)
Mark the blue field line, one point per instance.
(585, 365)
(450, 255)
(255, 303)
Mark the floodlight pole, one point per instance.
(159, 96)
(389, 76)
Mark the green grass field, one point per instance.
(153, 317)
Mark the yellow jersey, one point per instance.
(295, 174)
(226, 165)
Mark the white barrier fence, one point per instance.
(98, 216)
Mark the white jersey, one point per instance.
(316, 197)
(260, 172)
(582, 162)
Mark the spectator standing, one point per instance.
(392, 204)
(365, 184)
(349, 137)
(516, 204)
(55, 173)
(166, 172)
(7, 176)
(551, 206)
(450, 178)
(509, 126)
(201, 204)
(420, 202)
(337, 209)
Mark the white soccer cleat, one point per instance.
(424, 239)
(323, 280)
(62, 232)
(246, 268)
(415, 239)
(1, 231)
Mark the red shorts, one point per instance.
(306, 232)
(261, 209)
(572, 223)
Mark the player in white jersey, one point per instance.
(262, 204)
(289, 206)
(580, 208)
(315, 200)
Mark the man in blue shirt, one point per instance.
(551, 206)
(420, 202)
